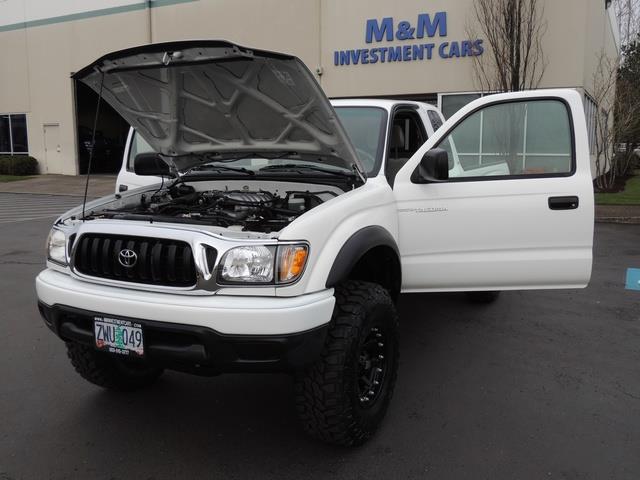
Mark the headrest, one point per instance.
(397, 137)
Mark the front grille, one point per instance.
(157, 261)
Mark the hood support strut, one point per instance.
(93, 143)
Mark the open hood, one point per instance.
(200, 96)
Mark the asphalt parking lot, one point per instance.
(541, 384)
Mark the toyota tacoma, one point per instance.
(274, 242)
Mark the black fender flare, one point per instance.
(356, 247)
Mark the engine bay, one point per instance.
(243, 209)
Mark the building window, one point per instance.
(13, 134)
(590, 112)
(450, 103)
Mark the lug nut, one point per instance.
(371, 392)
(378, 335)
(381, 357)
(379, 370)
(376, 382)
(380, 344)
(374, 329)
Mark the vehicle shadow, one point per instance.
(245, 425)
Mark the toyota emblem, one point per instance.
(127, 258)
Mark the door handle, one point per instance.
(563, 203)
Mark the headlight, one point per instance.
(252, 264)
(263, 264)
(56, 247)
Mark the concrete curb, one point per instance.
(622, 214)
(619, 220)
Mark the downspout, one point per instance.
(149, 23)
(319, 69)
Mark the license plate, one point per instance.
(118, 336)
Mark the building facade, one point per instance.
(416, 49)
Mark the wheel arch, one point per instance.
(370, 254)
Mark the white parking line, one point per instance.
(20, 207)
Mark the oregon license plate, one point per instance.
(118, 336)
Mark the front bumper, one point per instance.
(198, 334)
(198, 350)
(226, 314)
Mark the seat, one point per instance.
(397, 147)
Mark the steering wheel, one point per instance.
(366, 157)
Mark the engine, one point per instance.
(258, 211)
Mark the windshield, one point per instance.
(366, 129)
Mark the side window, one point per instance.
(138, 145)
(407, 136)
(434, 118)
(512, 139)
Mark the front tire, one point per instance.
(343, 397)
(108, 371)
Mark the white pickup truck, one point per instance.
(275, 241)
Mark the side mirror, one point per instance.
(151, 164)
(433, 167)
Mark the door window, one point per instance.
(512, 139)
(407, 136)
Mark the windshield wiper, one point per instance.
(298, 168)
(228, 158)
(215, 159)
(211, 166)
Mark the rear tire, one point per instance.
(343, 397)
(483, 297)
(110, 372)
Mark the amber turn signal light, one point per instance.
(292, 259)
